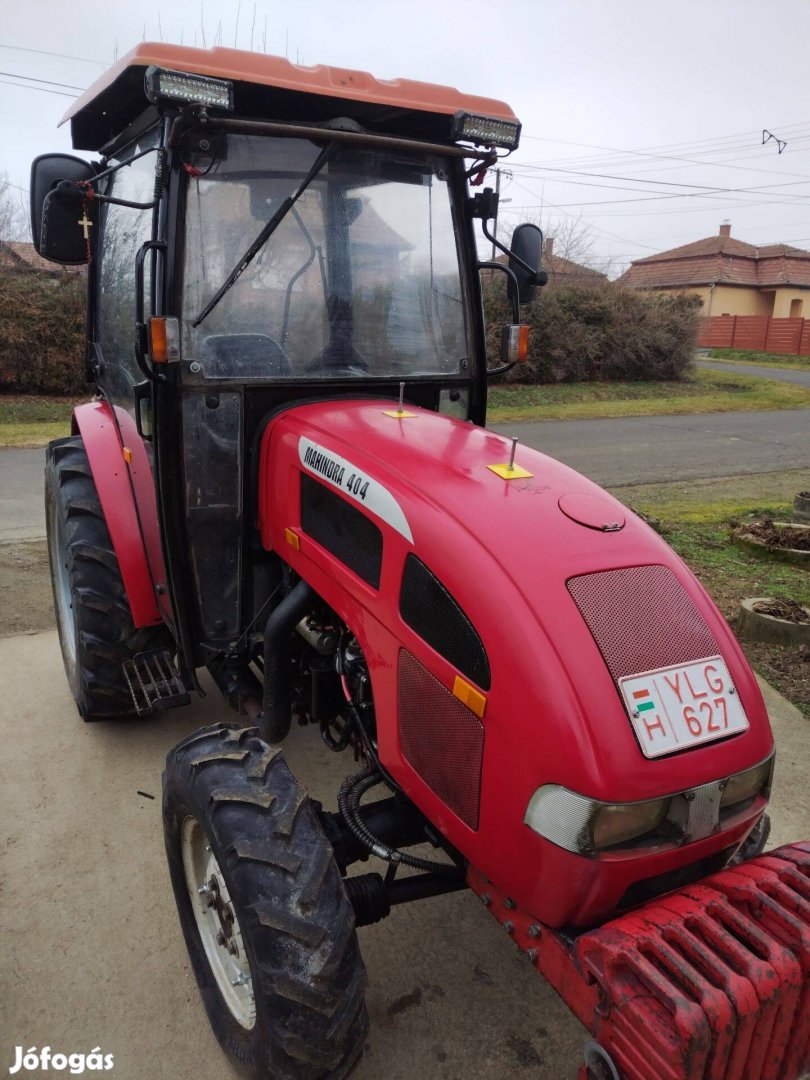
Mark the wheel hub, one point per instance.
(217, 924)
(60, 573)
(212, 893)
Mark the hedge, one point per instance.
(606, 332)
(42, 333)
(577, 333)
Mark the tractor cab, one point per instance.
(257, 234)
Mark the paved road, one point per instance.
(634, 450)
(22, 512)
(791, 375)
(650, 449)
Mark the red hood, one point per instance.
(506, 551)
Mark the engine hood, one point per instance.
(513, 551)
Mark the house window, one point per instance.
(796, 309)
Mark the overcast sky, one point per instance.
(627, 89)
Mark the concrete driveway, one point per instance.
(92, 951)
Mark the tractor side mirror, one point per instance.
(59, 225)
(527, 246)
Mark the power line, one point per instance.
(658, 198)
(615, 236)
(652, 151)
(31, 78)
(629, 179)
(704, 192)
(736, 205)
(44, 89)
(691, 162)
(62, 56)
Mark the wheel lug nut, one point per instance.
(240, 980)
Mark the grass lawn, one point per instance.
(746, 356)
(33, 421)
(696, 518)
(28, 420)
(701, 392)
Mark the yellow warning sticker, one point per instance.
(515, 472)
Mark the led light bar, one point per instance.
(486, 130)
(163, 86)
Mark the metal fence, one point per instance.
(756, 332)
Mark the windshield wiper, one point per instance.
(266, 233)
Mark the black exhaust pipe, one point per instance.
(274, 722)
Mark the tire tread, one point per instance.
(291, 904)
(106, 635)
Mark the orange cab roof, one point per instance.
(278, 73)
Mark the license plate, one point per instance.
(683, 706)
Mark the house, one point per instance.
(562, 271)
(17, 256)
(730, 276)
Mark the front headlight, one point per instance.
(748, 784)
(617, 823)
(583, 825)
(589, 827)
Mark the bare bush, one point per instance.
(13, 211)
(42, 333)
(606, 332)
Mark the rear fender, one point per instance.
(114, 477)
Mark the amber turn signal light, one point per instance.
(164, 340)
(515, 343)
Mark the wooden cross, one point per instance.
(86, 224)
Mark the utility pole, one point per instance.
(497, 201)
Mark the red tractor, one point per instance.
(285, 478)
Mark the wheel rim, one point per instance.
(61, 580)
(217, 924)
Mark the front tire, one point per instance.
(95, 625)
(263, 909)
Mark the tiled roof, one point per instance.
(560, 269)
(721, 259)
(23, 256)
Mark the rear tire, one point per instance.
(263, 909)
(95, 625)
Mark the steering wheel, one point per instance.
(247, 354)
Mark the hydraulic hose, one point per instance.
(274, 722)
(349, 796)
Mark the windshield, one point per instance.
(360, 277)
